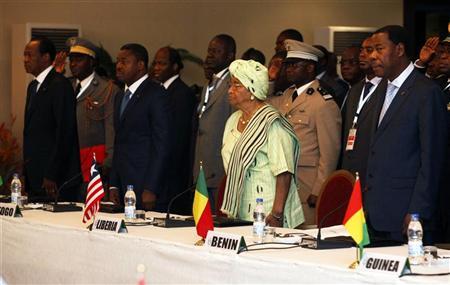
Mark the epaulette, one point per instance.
(326, 96)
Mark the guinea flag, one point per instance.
(202, 208)
(354, 220)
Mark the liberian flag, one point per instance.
(354, 220)
(94, 193)
(202, 207)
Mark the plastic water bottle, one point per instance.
(130, 203)
(16, 188)
(259, 221)
(415, 245)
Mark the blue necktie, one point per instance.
(390, 94)
(126, 98)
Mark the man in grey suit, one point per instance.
(213, 111)
(95, 104)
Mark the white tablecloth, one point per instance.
(44, 247)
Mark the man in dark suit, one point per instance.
(167, 65)
(50, 143)
(213, 112)
(408, 142)
(142, 124)
(443, 59)
(358, 115)
(337, 87)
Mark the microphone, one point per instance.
(55, 207)
(333, 243)
(174, 222)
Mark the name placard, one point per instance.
(109, 225)
(384, 263)
(225, 242)
(10, 210)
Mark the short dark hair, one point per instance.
(254, 54)
(228, 41)
(398, 34)
(139, 51)
(280, 54)
(45, 46)
(174, 57)
(292, 34)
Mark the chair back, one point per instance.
(334, 196)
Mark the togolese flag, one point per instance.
(354, 220)
(202, 208)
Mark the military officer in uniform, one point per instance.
(95, 100)
(316, 120)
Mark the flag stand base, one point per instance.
(200, 242)
(354, 264)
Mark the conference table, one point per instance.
(57, 248)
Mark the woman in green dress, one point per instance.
(260, 152)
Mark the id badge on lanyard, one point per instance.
(351, 138)
(352, 132)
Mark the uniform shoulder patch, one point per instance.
(325, 94)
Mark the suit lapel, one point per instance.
(136, 96)
(220, 88)
(399, 99)
(89, 90)
(40, 93)
(370, 104)
(353, 103)
(303, 97)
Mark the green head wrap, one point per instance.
(253, 75)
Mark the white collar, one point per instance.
(302, 88)
(133, 87)
(375, 81)
(320, 75)
(169, 81)
(85, 84)
(399, 80)
(221, 73)
(41, 77)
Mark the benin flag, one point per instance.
(354, 220)
(202, 208)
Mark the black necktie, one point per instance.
(294, 95)
(125, 100)
(32, 91)
(78, 89)
(367, 88)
